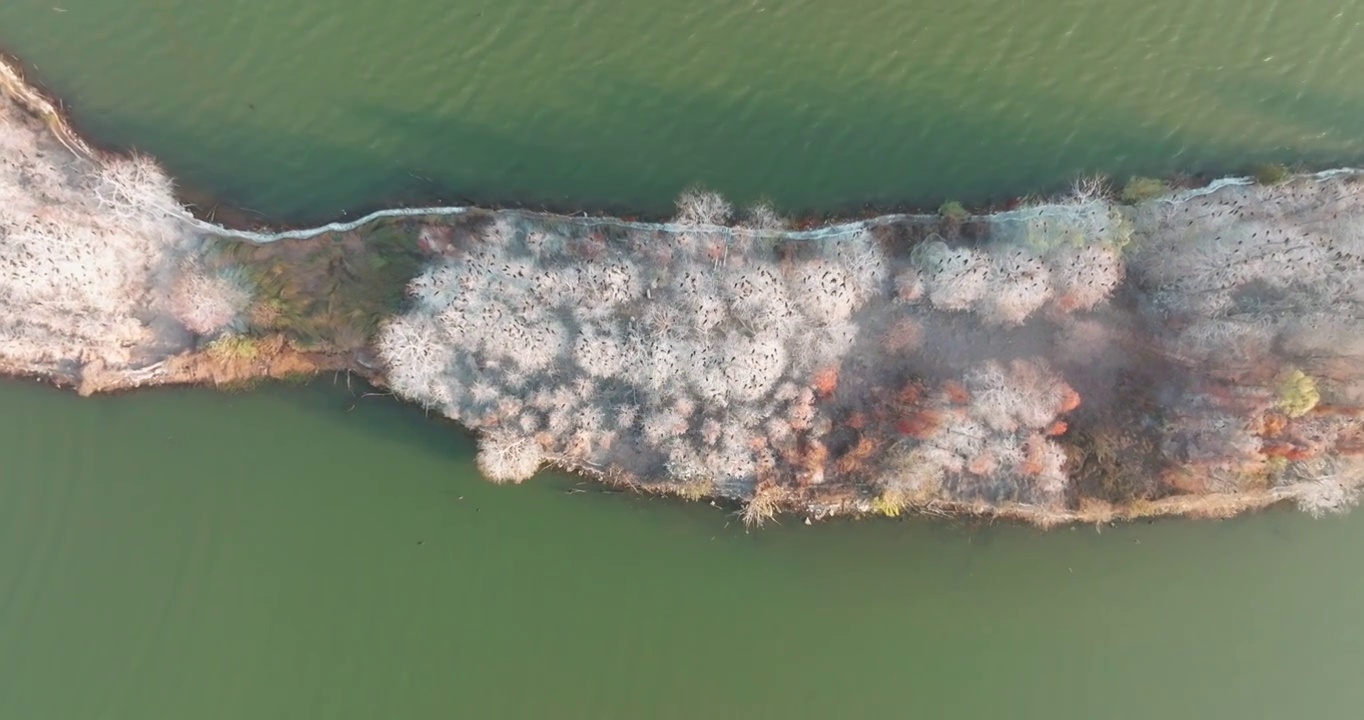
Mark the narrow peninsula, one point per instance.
(1099, 356)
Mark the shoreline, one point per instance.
(200, 370)
(47, 106)
(243, 223)
(277, 355)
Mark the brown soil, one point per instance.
(276, 359)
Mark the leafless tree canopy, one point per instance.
(89, 249)
(988, 368)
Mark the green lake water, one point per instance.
(302, 552)
(310, 107)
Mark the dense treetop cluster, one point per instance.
(918, 360)
(95, 263)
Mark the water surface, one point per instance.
(302, 552)
(299, 552)
(311, 107)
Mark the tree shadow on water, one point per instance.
(1337, 120)
(855, 149)
(749, 148)
(355, 404)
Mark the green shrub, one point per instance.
(953, 210)
(1297, 393)
(1143, 188)
(891, 503)
(234, 347)
(1271, 174)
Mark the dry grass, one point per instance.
(333, 291)
(1139, 189)
(1272, 174)
(695, 489)
(953, 211)
(234, 347)
(762, 506)
(891, 503)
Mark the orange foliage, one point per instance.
(1033, 462)
(1288, 452)
(1350, 444)
(903, 336)
(910, 394)
(825, 382)
(816, 454)
(921, 424)
(956, 392)
(813, 455)
(1232, 396)
(982, 464)
(1069, 399)
(855, 456)
(1274, 423)
(857, 420)
(1068, 302)
(1185, 481)
(1345, 410)
(1057, 428)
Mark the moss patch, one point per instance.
(1139, 188)
(1272, 174)
(332, 291)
